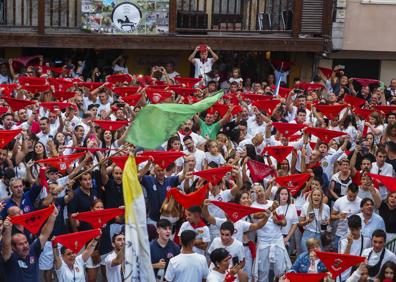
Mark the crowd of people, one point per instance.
(293, 173)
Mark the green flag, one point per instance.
(155, 124)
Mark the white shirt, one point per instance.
(120, 69)
(215, 276)
(187, 268)
(202, 233)
(235, 249)
(343, 205)
(290, 213)
(215, 211)
(201, 69)
(375, 257)
(199, 158)
(314, 226)
(65, 274)
(113, 273)
(356, 250)
(270, 232)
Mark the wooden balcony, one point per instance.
(279, 25)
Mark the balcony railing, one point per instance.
(234, 15)
(185, 16)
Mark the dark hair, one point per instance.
(353, 188)
(301, 110)
(95, 202)
(250, 151)
(163, 223)
(277, 195)
(228, 226)
(171, 140)
(187, 237)
(388, 264)
(187, 137)
(195, 209)
(380, 150)
(116, 235)
(379, 233)
(365, 200)
(218, 255)
(354, 221)
(238, 196)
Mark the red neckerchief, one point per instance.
(201, 223)
(185, 133)
(314, 165)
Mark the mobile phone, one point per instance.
(235, 261)
(311, 214)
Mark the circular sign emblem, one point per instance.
(126, 17)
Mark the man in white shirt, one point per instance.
(378, 254)
(170, 68)
(233, 246)
(354, 243)
(203, 65)
(115, 259)
(343, 208)
(46, 132)
(188, 265)
(380, 167)
(195, 223)
(226, 240)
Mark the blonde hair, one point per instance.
(310, 205)
(312, 243)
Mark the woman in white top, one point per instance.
(221, 259)
(287, 210)
(375, 126)
(315, 216)
(69, 267)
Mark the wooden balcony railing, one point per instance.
(185, 16)
(235, 15)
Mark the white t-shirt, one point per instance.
(314, 226)
(235, 249)
(290, 213)
(113, 273)
(65, 274)
(223, 196)
(215, 276)
(120, 69)
(270, 232)
(201, 69)
(187, 267)
(356, 250)
(343, 205)
(202, 233)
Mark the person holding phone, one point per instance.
(222, 271)
(314, 214)
(233, 246)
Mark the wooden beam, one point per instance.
(327, 17)
(41, 17)
(172, 16)
(297, 17)
(178, 42)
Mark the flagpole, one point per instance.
(99, 163)
(279, 81)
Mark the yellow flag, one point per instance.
(137, 250)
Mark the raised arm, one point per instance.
(192, 56)
(214, 55)
(47, 228)
(90, 249)
(6, 250)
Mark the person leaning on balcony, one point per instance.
(204, 64)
